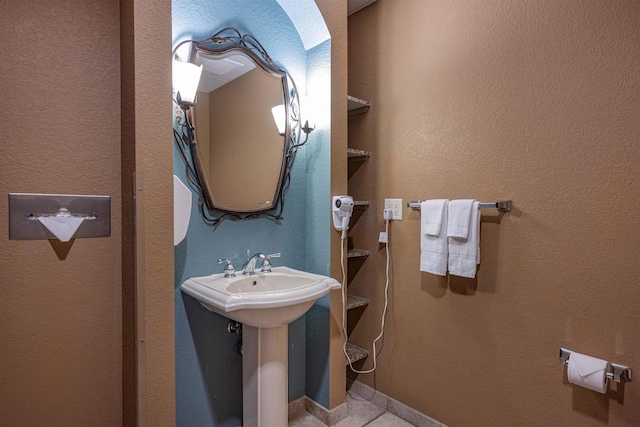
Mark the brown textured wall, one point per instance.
(533, 100)
(127, 168)
(61, 340)
(335, 16)
(146, 69)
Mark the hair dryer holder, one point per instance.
(342, 207)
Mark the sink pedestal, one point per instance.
(264, 376)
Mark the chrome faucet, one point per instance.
(266, 264)
(229, 271)
(250, 266)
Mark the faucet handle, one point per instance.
(229, 271)
(266, 265)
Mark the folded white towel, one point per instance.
(433, 236)
(432, 212)
(464, 254)
(459, 218)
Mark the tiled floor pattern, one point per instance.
(361, 413)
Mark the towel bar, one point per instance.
(503, 205)
(618, 372)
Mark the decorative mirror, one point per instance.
(243, 130)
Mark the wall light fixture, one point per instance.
(186, 78)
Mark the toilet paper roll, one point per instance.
(63, 227)
(588, 372)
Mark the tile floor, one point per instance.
(361, 413)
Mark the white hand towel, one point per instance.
(432, 212)
(587, 371)
(433, 236)
(459, 218)
(464, 254)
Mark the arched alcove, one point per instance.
(208, 368)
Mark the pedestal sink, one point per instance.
(265, 304)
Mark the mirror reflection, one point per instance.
(239, 146)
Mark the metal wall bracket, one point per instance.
(25, 207)
(503, 205)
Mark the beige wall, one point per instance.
(60, 304)
(532, 100)
(335, 16)
(68, 310)
(148, 150)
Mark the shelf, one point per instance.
(355, 301)
(357, 105)
(355, 158)
(356, 154)
(357, 253)
(356, 353)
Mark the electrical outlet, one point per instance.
(395, 205)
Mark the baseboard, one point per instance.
(327, 416)
(397, 408)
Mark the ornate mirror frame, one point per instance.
(226, 41)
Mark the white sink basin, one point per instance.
(263, 300)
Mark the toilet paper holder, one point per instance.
(618, 372)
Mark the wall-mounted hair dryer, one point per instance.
(342, 208)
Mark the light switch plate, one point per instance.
(395, 205)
